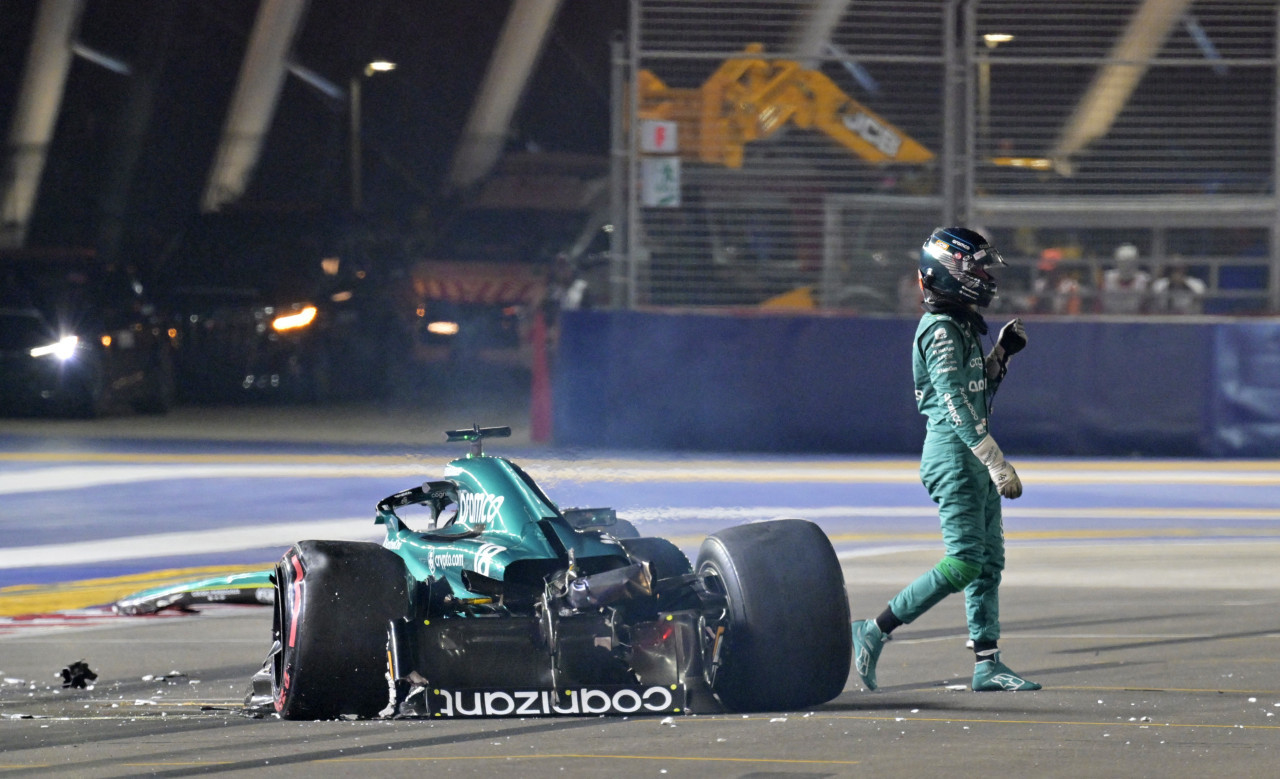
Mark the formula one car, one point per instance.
(503, 604)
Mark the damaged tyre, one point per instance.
(334, 600)
(786, 642)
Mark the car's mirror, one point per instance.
(586, 519)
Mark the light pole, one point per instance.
(354, 111)
(992, 40)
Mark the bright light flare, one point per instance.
(443, 328)
(1035, 163)
(294, 321)
(64, 349)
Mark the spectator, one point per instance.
(1068, 293)
(1178, 293)
(1125, 288)
(566, 289)
(1055, 290)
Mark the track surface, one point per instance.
(1142, 594)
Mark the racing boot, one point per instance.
(990, 674)
(868, 640)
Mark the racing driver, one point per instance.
(962, 467)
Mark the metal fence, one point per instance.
(796, 152)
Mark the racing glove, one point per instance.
(1012, 339)
(1002, 473)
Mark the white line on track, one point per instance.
(70, 477)
(122, 471)
(284, 534)
(190, 542)
(750, 514)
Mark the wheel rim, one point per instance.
(712, 635)
(278, 622)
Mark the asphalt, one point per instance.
(383, 424)
(1159, 657)
(1140, 680)
(422, 405)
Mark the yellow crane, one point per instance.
(749, 98)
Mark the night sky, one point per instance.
(190, 53)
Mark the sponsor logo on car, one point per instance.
(535, 703)
(479, 507)
(437, 559)
(485, 555)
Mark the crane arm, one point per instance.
(750, 98)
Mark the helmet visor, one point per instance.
(988, 255)
(979, 271)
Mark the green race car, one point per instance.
(500, 603)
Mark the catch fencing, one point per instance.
(796, 152)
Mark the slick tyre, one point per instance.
(334, 600)
(787, 642)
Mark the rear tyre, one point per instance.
(334, 600)
(787, 643)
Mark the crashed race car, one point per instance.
(503, 604)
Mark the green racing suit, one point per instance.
(953, 392)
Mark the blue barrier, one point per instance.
(800, 383)
(1095, 388)
(1244, 410)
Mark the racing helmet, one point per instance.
(953, 267)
